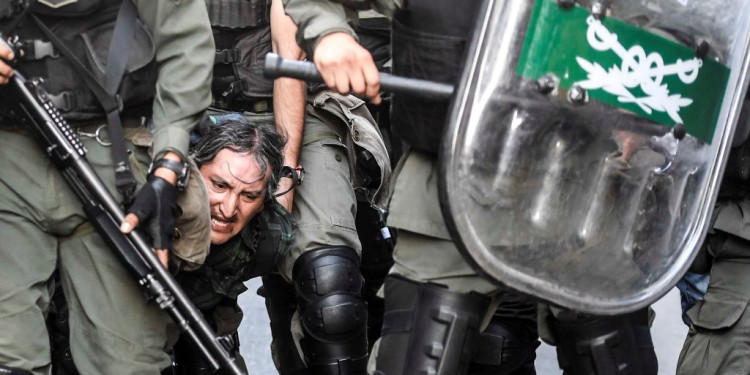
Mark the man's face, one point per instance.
(236, 191)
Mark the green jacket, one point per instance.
(255, 251)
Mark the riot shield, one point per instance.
(586, 142)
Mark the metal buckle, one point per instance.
(97, 135)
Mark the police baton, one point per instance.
(275, 67)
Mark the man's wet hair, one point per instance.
(244, 137)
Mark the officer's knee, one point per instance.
(594, 345)
(328, 286)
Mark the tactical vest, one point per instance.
(242, 34)
(255, 251)
(430, 38)
(86, 28)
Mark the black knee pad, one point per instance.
(333, 315)
(604, 345)
(505, 347)
(428, 329)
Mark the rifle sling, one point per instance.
(119, 50)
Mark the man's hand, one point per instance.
(154, 204)
(5, 70)
(347, 67)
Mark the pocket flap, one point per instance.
(726, 299)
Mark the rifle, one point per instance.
(68, 154)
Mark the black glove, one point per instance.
(155, 208)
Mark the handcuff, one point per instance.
(181, 169)
(296, 174)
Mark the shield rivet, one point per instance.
(577, 95)
(598, 10)
(547, 83)
(679, 131)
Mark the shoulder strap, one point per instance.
(119, 50)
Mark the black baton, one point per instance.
(276, 67)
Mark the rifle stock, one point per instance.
(68, 154)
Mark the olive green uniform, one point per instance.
(424, 250)
(114, 330)
(718, 341)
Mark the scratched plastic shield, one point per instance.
(586, 142)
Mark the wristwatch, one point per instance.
(182, 170)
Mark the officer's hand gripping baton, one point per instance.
(68, 155)
(276, 67)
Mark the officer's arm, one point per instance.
(288, 95)
(184, 56)
(184, 48)
(325, 34)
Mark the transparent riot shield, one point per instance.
(587, 140)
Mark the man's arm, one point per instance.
(288, 95)
(346, 66)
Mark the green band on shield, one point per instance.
(624, 66)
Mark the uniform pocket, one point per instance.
(336, 155)
(726, 299)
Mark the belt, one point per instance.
(257, 106)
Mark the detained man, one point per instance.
(241, 165)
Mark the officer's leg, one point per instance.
(281, 305)
(377, 259)
(59, 331)
(189, 361)
(333, 315)
(604, 345)
(428, 328)
(113, 329)
(27, 254)
(325, 208)
(508, 344)
(509, 341)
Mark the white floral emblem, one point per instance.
(637, 70)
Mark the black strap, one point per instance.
(119, 50)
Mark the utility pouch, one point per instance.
(368, 156)
(238, 66)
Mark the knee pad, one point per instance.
(7, 370)
(281, 305)
(332, 313)
(504, 347)
(604, 345)
(428, 329)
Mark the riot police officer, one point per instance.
(164, 75)
(429, 274)
(717, 341)
(317, 290)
